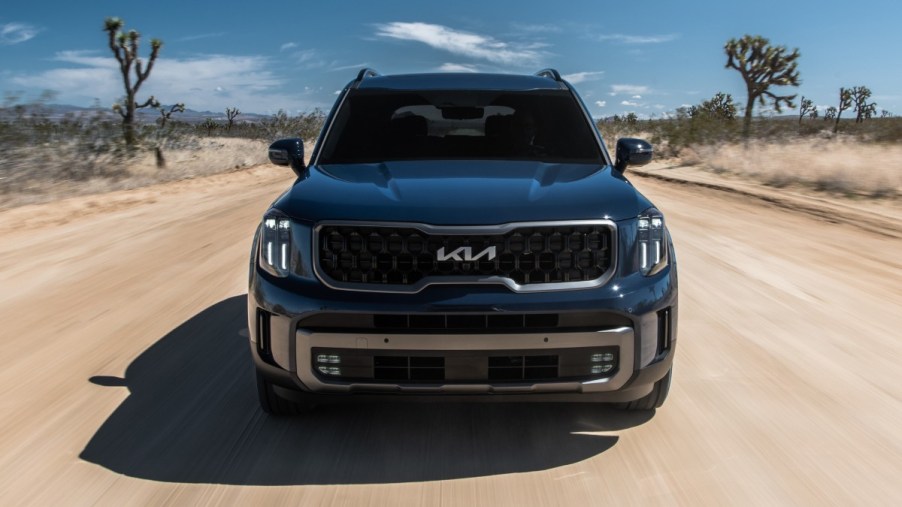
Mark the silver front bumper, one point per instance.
(621, 337)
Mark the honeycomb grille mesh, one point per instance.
(403, 256)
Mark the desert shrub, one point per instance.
(74, 147)
(306, 125)
(281, 125)
(881, 130)
(674, 135)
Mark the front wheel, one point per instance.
(273, 404)
(654, 399)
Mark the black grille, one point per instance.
(464, 321)
(430, 367)
(406, 255)
(460, 323)
(523, 367)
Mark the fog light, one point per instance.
(329, 370)
(602, 362)
(328, 359)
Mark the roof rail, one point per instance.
(365, 73)
(550, 73)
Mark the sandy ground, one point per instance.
(125, 376)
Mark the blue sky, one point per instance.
(645, 57)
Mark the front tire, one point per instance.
(654, 399)
(275, 405)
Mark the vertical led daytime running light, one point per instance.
(275, 243)
(652, 246)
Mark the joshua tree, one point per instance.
(845, 102)
(231, 113)
(719, 107)
(863, 110)
(762, 66)
(885, 114)
(165, 115)
(125, 48)
(829, 113)
(209, 125)
(806, 107)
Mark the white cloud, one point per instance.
(207, 82)
(601, 103)
(356, 66)
(308, 57)
(628, 89)
(287, 46)
(457, 67)
(201, 36)
(536, 28)
(87, 58)
(579, 77)
(638, 39)
(15, 33)
(637, 96)
(629, 104)
(458, 42)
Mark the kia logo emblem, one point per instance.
(465, 253)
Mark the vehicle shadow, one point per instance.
(192, 417)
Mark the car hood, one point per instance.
(461, 192)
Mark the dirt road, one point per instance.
(125, 377)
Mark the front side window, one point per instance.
(379, 125)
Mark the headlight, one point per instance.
(275, 245)
(652, 242)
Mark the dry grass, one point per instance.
(841, 167)
(27, 178)
(838, 166)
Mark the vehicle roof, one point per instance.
(460, 81)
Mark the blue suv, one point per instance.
(457, 236)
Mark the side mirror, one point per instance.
(632, 151)
(288, 152)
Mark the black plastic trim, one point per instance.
(264, 343)
(550, 73)
(363, 74)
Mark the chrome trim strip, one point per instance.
(467, 229)
(621, 337)
(464, 280)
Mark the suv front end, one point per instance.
(528, 274)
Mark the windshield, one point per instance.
(379, 125)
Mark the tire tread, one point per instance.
(273, 404)
(654, 399)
